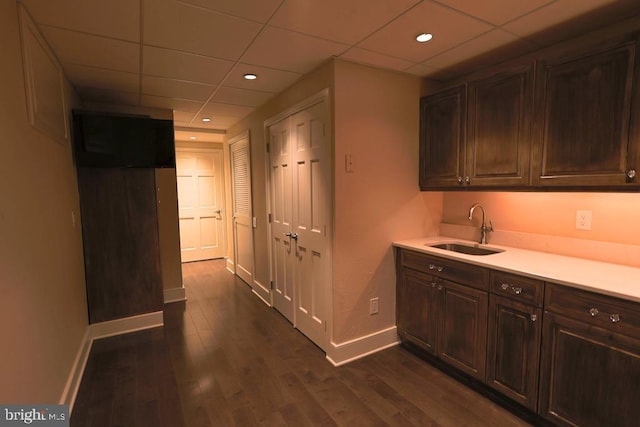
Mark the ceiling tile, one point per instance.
(421, 70)
(171, 88)
(449, 28)
(269, 79)
(496, 12)
(237, 96)
(182, 116)
(291, 51)
(201, 135)
(487, 42)
(552, 14)
(119, 19)
(207, 33)
(214, 109)
(351, 21)
(259, 11)
(183, 66)
(376, 59)
(72, 47)
(217, 122)
(100, 78)
(170, 103)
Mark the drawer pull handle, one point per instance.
(515, 289)
(615, 318)
(593, 312)
(435, 267)
(534, 317)
(433, 284)
(439, 287)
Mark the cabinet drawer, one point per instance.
(517, 287)
(455, 271)
(614, 314)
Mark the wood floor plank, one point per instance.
(223, 358)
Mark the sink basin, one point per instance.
(466, 249)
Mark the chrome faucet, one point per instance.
(483, 227)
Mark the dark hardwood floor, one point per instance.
(224, 358)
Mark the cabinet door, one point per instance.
(442, 135)
(416, 309)
(499, 128)
(582, 119)
(463, 334)
(513, 352)
(589, 375)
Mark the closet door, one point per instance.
(281, 193)
(300, 201)
(309, 139)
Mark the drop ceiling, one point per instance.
(190, 56)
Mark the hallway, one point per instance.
(223, 358)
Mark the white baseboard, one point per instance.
(77, 370)
(231, 266)
(126, 325)
(103, 330)
(174, 295)
(343, 353)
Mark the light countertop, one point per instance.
(604, 278)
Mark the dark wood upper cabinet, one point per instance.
(442, 138)
(499, 128)
(479, 134)
(583, 117)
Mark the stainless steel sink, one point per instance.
(466, 249)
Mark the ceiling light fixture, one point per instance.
(206, 119)
(424, 37)
(250, 76)
(192, 137)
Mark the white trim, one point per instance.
(343, 353)
(126, 325)
(317, 98)
(261, 298)
(174, 295)
(70, 391)
(231, 267)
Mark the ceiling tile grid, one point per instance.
(191, 55)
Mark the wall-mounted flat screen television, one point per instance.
(115, 140)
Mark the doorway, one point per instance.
(199, 176)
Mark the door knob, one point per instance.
(294, 236)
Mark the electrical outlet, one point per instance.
(374, 306)
(583, 220)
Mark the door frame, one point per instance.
(319, 97)
(188, 148)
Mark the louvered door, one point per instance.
(241, 209)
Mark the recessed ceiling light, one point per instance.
(206, 119)
(250, 76)
(424, 37)
(192, 137)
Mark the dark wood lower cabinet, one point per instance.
(590, 376)
(417, 300)
(463, 333)
(513, 354)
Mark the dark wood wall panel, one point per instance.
(120, 237)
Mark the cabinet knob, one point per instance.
(516, 290)
(534, 317)
(459, 180)
(504, 286)
(439, 287)
(467, 179)
(439, 268)
(615, 318)
(593, 312)
(433, 284)
(631, 174)
(431, 266)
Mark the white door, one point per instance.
(281, 193)
(199, 177)
(300, 187)
(242, 223)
